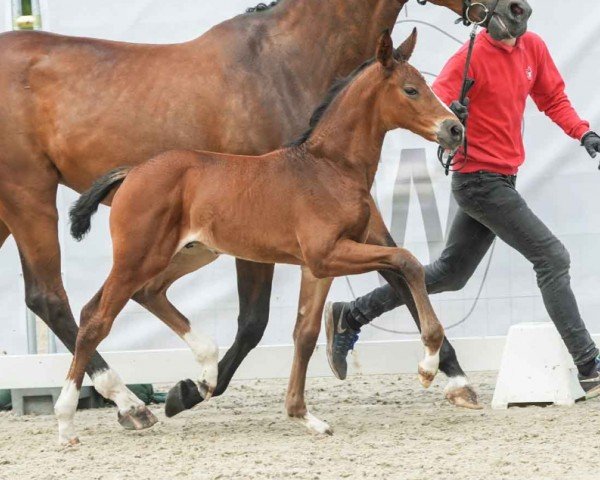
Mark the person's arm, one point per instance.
(448, 84)
(549, 95)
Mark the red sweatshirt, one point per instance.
(504, 77)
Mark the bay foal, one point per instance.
(74, 108)
(308, 204)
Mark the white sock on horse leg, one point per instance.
(108, 383)
(65, 409)
(206, 352)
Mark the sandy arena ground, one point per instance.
(385, 427)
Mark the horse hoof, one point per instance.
(182, 396)
(425, 377)
(70, 442)
(314, 424)
(137, 418)
(464, 397)
(205, 390)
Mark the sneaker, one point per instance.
(591, 383)
(340, 338)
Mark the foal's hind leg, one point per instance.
(97, 318)
(137, 259)
(153, 296)
(313, 294)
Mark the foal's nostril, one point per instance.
(457, 132)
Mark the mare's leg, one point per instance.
(350, 258)
(254, 290)
(31, 215)
(313, 294)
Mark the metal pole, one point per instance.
(51, 342)
(31, 21)
(31, 333)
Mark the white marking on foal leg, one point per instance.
(206, 352)
(314, 424)
(428, 368)
(65, 409)
(109, 385)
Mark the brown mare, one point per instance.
(74, 108)
(307, 204)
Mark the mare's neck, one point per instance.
(328, 38)
(351, 132)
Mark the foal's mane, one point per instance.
(333, 92)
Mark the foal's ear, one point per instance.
(407, 48)
(385, 50)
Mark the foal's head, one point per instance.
(406, 101)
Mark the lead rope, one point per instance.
(448, 163)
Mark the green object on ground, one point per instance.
(146, 393)
(5, 400)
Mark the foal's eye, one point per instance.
(411, 91)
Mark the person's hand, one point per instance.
(591, 142)
(460, 110)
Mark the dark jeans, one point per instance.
(490, 206)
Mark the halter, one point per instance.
(467, 5)
(448, 162)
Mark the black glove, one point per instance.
(460, 110)
(591, 142)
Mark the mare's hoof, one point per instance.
(464, 397)
(425, 377)
(137, 418)
(182, 396)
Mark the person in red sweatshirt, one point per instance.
(505, 72)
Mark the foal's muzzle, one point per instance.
(450, 134)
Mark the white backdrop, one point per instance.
(559, 181)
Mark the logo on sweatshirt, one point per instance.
(529, 73)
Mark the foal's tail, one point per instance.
(82, 210)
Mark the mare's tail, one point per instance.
(82, 210)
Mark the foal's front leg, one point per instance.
(458, 390)
(351, 258)
(313, 294)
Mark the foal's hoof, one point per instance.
(137, 418)
(425, 377)
(73, 442)
(182, 396)
(464, 397)
(205, 390)
(313, 424)
(69, 442)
